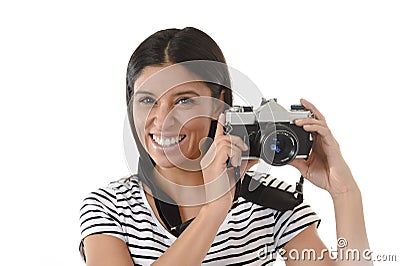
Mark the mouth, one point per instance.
(167, 141)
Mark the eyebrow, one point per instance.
(176, 94)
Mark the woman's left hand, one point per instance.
(325, 167)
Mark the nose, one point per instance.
(161, 117)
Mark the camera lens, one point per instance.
(280, 146)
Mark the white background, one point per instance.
(62, 101)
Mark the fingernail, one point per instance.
(304, 100)
(246, 147)
(298, 121)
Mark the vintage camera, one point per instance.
(269, 131)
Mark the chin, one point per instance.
(164, 163)
(177, 162)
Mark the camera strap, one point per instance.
(250, 189)
(271, 197)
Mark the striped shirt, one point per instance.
(250, 234)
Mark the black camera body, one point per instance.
(269, 131)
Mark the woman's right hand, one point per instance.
(219, 181)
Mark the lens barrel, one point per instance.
(279, 146)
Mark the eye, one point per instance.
(146, 100)
(185, 100)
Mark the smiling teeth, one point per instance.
(167, 141)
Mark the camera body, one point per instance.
(269, 131)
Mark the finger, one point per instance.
(301, 165)
(228, 151)
(312, 108)
(309, 121)
(238, 141)
(233, 140)
(221, 122)
(236, 156)
(322, 131)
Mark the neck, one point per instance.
(180, 176)
(185, 187)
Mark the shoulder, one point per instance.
(106, 209)
(122, 185)
(112, 201)
(115, 190)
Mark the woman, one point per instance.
(127, 222)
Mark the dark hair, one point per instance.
(176, 46)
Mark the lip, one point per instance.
(170, 148)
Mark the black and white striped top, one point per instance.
(250, 234)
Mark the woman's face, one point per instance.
(172, 116)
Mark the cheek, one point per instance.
(140, 128)
(141, 116)
(199, 126)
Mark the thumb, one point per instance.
(301, 165)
